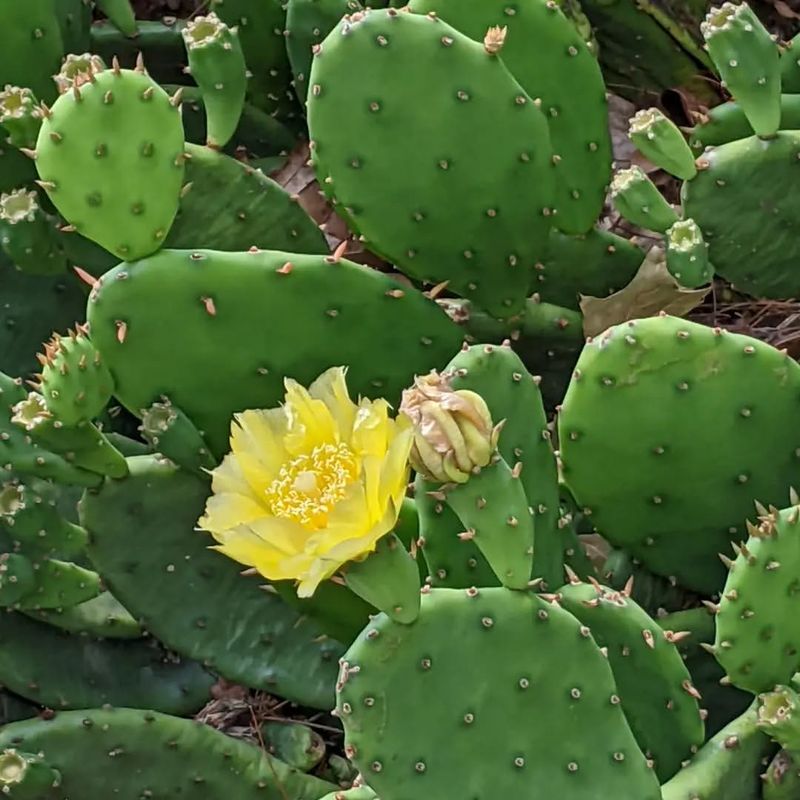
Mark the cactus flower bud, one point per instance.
(453, 435)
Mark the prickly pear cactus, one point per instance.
(121, 189)
(440, 210)
(669, 431)
(470, 634)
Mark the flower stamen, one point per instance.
(309, 486)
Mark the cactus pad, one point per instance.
(110, 157)
(261, 316)
(144, 526)
(545, 52)
(669, 431)
(658, 698)
(440, 209)
(129, 753)
(758, 634)
(489, 662)
(745, 199)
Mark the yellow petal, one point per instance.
(331, 388)
(227, 510)
(349, 519)
(395, 470)
(257, 439)
(228, 477)
(371, 428)
(317, 571)
(281, 535)
(310, 421)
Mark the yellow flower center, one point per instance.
(309, 486)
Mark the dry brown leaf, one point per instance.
(651, 291)
(785, 10)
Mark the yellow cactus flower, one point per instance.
(310, 485)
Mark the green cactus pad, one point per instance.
(758, 635)
(144, 526)
(231, 206)
(216, 62)
(308, 22)
(170, 432)
(110, 157)
(16, 578)
(28, 235)
(31, 520)
(782, 778)
(260, 25)
(726, 123)
(452, 562)
(747, 58)
(294, 743)
(20, 116)
(512, 394)
(121, 15)
(32, 46)
(687, 254)
(637, 199)
(489, 661)
(726, 768)
(659, 140)
(261, 316)
(33, 307)
(597, 263)
(356, 793)
(553, 64)
(75, 383)
(89, 673)
(75, 20)
(790, 66)
(26, 777)
(59, 584)
(744, 198)
(440, 210)
(669, 431)
(101, 617)
(129, 753)
(658, 698)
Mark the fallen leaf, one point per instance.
(785, 10)
(651, 291)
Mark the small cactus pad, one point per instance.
(782, 778)
(32, 45)
(747, 58)
(75, 383)
(486, 663)
(83, 672)
(669, 431)
(498, 375)
(29, 236)
(441, 210)
(144, 525)
(121, 14)
(744, 198)
(545, 52)
(661, 142)
(110, 157)
(20, 116)
(124, 752)
(658, 698)
(758, 633)
(26, 777)
(261, 316)
(637, 199)
(726, 767)
(216, 63)
(308, 22)
(687, 254)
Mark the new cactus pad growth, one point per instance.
(28, 235)
(20, 116)
(217, 64)
(637, 199)
(748, 61)
(687, 254)
(121, 189)
(660, 140)
(26, 777)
